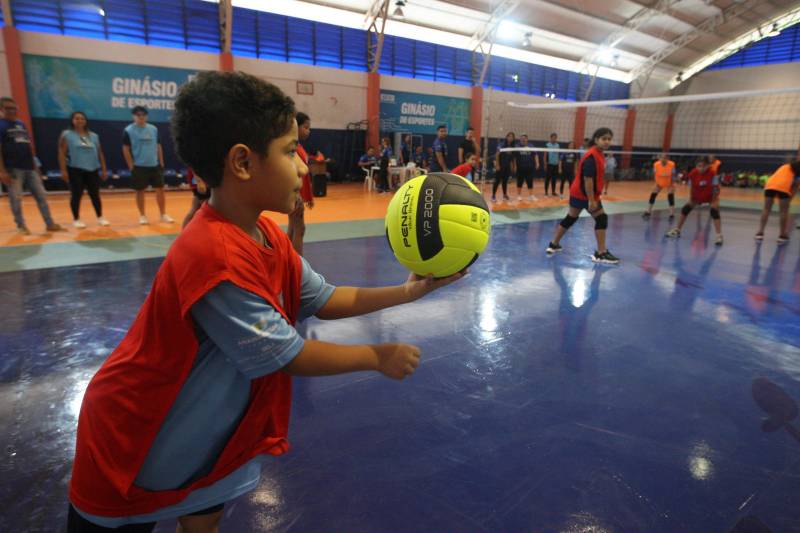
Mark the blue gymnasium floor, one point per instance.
(554, 395)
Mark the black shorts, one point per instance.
(525, 175)
(78, 524)
(142, 177)
(583, 204)
(772, 193)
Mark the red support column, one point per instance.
(373, 110)
(580, 127)
(667, 144)
(226, 62)
(476, 111)
(16, 75)
(627, 139)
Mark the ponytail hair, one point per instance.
(600, 132)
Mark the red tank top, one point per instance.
(702, 184)
(578, 187)
(129, 397)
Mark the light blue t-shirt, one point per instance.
(213, 399)
(82, 150)
(553, 157)
(143, 142)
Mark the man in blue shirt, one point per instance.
(145, 159)
(439, 161)
(553, 170)
(421, 159)
(17, 167)
(368, 160)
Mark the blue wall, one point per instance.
(783, 48)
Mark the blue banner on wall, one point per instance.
(57, 86)
(422, 113)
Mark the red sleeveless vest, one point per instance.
(128, 399)
(578, 189)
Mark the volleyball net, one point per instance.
(749, 131)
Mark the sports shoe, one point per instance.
(759, 236)
(494, 199)
(646, 215)
(166, 219)
(22, 230)
(143, 220)
(674, 233)
(561, 196)
(553, 248)
(506, 198)
(606, 257)
(783, 239)
(78, 224)
(103, 221)
(531, 198)
(718, 240)
(55, 227)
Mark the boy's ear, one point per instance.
(238, 161)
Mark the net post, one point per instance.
(579, 133)
(627, 138)
(670, 124)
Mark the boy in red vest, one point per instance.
(705, 190)
(179, 418)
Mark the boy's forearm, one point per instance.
(355, 301)
(319, 358)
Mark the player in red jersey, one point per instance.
(705, 190)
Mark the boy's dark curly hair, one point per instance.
(217, 110)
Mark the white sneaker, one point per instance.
(166, 219)
(103, 221)
(78, 224)
(718, 241)
(531, 198)
(143, 220)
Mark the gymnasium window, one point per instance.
(783, 48)
(187, 24)
(192, 25)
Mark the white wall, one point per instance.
(756, 123)
(538, 124)
(340, 96)
(5, 83)
(48, 44)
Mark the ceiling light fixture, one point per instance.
(398, 9)
(526, 42)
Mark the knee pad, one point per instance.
(671, 199)
(686, 210)
(568, 221)
(601, 222)
(715, 213)
(653, 197)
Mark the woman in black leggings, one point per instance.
(82, 166)
(505, 165)
(567, 170)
